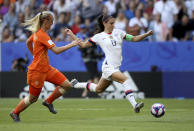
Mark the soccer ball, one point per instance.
(158, 110)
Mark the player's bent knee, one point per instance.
(66, 85)
(32, 100)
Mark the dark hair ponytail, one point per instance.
(101, 19)
(100, 26)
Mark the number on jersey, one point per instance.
(114, 43)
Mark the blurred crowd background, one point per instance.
(171, 20)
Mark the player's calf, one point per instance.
(83, 85)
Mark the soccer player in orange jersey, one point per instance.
(40, 70)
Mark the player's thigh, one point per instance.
(102, 85)
(34, 93)
(118, 77)
(36, 79)
(32, 98)
(56, 77)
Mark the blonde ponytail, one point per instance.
(34, 24)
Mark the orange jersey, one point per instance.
(41, 43)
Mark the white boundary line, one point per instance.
(93, 109)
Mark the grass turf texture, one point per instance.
(99, 115)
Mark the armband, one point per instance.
(128, 37)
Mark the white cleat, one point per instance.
(138, 106)
(74, 82)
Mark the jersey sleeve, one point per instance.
(121, 33)
(94, 40)
(31, 38)
(46, 40)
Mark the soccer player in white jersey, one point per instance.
(110, 40)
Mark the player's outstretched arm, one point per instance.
(58, 50)
(82, 44)
(141, 37)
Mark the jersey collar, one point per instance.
(108, 33)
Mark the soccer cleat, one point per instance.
(15, 117)
(50, 107)
(138, 106)
(74, 82)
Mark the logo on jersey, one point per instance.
(46, 91)
(116, 90)
(50, 42)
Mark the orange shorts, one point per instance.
(36, 79)
(34, 91)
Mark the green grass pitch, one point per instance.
(99, 115)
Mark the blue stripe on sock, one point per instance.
(87, 86)
(128, 92)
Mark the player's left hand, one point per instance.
(150, 32)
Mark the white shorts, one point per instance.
(108, 70)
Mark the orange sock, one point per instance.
(20, 107)
(55, 94)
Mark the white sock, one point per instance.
(84, 85)
(131, 99)
(129, 93)
(27, 100)
(81, 85)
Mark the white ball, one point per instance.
(158, 110)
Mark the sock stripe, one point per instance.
(128, 92)
(88, 86)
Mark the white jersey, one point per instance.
(111, 44)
